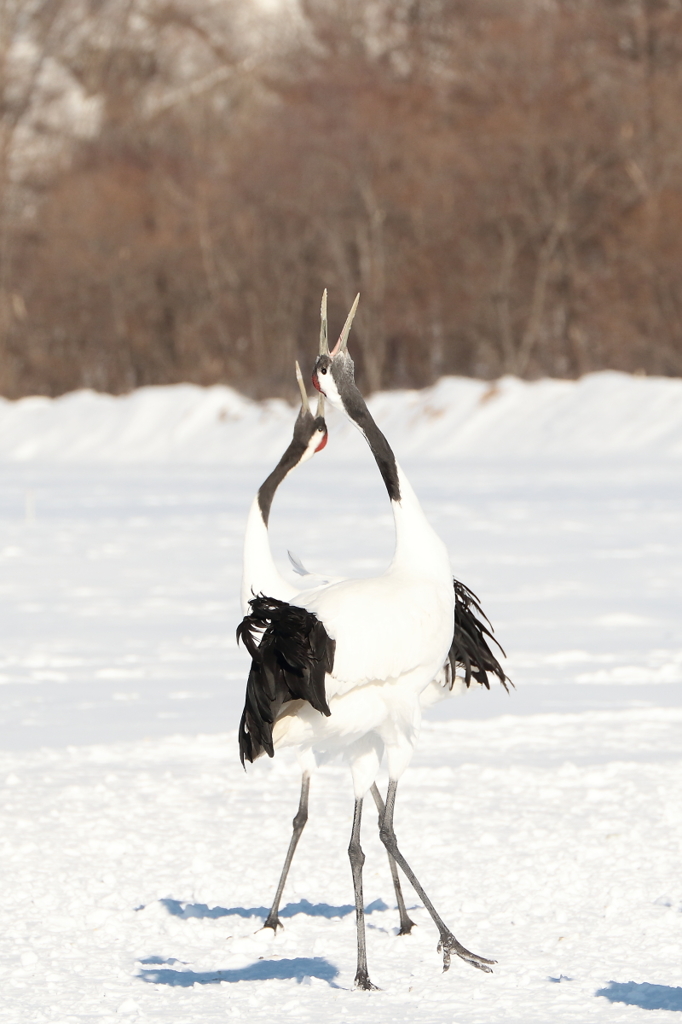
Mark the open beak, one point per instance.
(342, 343)
(304, 397)
(324, 330)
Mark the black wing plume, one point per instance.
(470, 647)
(291, 653)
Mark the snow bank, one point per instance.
(603, 414)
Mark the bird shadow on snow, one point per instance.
(644, 995)
(299, 968)
(185, 910)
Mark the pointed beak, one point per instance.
(304, 397)
(320, 405)
(342, 343)
(324, 330)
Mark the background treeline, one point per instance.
(179, 179)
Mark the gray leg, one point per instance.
(299, 821)
(448, 943)
(357, 859)
(406, 925)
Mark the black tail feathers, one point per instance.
(291, 654)
(470, 647)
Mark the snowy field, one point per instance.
(138, 859)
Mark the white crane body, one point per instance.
(346, 666)
(392, 635)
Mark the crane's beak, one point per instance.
(320, 405)
(342, 343)
(304, 397)
(324, 331)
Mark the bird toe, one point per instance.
(449, 944)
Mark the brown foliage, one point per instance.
(502, 182)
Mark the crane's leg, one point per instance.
(272, 920)
(406, 925)
(448, 943)
(357, 859)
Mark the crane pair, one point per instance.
(346, 666)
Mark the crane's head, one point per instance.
(334, 377)
(334, 371)
(310, 432)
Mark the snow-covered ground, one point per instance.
(137, 856)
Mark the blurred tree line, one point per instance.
(179, 179)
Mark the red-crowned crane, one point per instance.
(341, 668)
(261, 576)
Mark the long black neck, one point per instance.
(289, 460)
(355, 406)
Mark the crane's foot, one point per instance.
(272, 921)
(448, 945)
(406, 927)
(363, 983)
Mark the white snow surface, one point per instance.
(138, 859)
